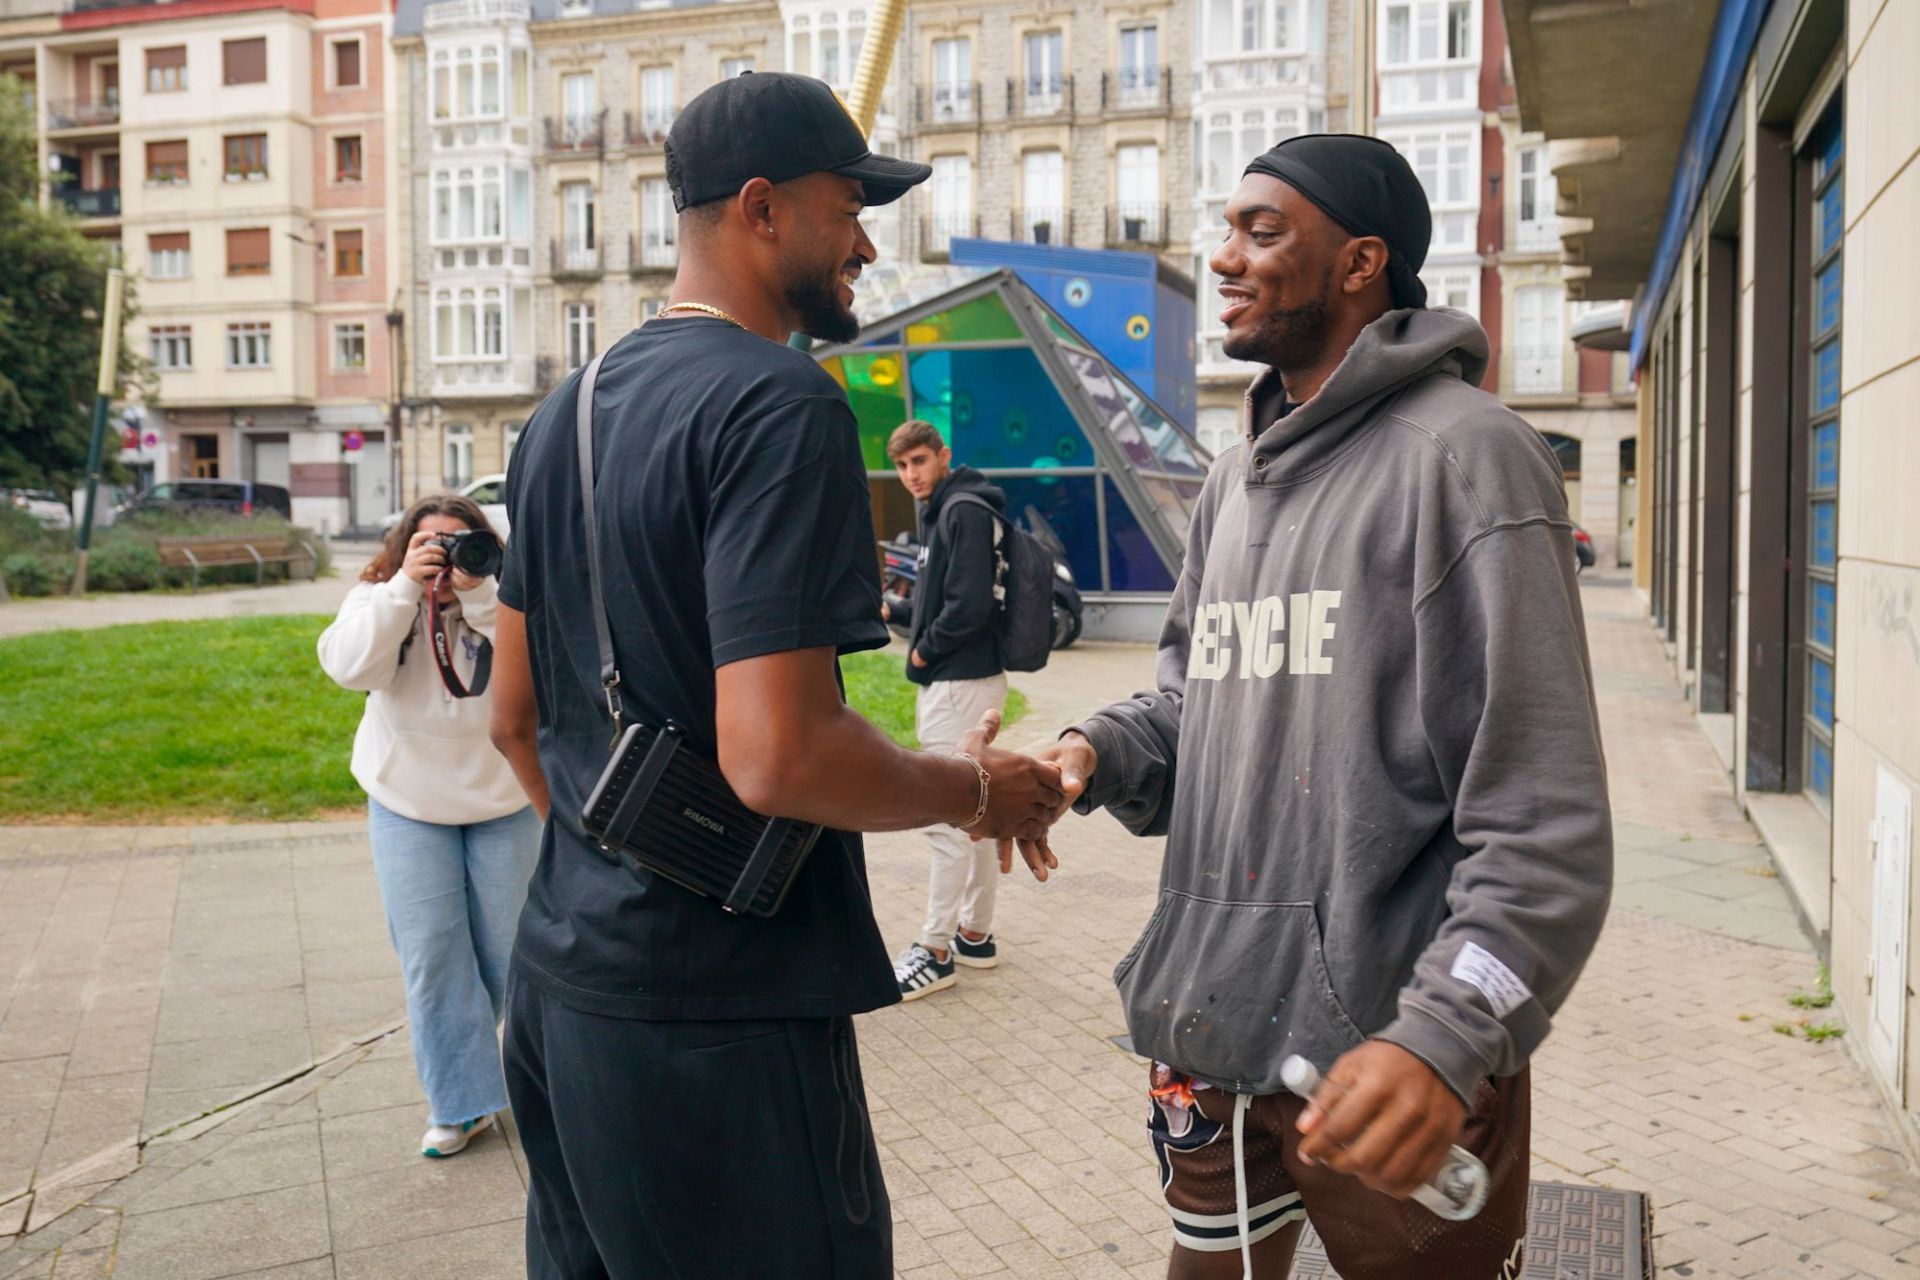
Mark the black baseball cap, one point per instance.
(777, 126)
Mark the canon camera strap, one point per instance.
(443, 650)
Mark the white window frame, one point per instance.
(1137, 189)
(950, 200)
(952, 89)
(1043, 78)
(1535, 184)
(1043, 195)
(659, 224)
(250, 344)
(1137, 65)
(579, 225)
(458, 80)
(170, 347)
(1423, 17)
(659, 98)
(579, 333)
(1456, 287)
(170, 264)
(1432, 151)
(345, 338)
(1539, 340)
(468, 205)
(579, 106)
(456, 456)
(731, 67)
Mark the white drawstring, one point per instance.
(1241, 1101)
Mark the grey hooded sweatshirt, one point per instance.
(1373, 748)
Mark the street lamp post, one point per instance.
(397, 465)
(103, 393)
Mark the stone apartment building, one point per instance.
(1262, 71)
(233, 150)
(1056, 123)
(1061, 126)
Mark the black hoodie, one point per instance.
(954, 610)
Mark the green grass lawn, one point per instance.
(228, 719)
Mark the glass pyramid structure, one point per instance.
(1023, 398)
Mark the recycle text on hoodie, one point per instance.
(1373, 746)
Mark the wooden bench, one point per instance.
(217, 552)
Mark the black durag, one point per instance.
(1367, 187)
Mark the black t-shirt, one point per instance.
(734, 522)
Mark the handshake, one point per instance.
(1026, 794)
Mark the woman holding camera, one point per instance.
(454, 839)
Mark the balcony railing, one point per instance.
(1041, 226)
(937, 230)
(71, 113)
(1537, 235)
(102, 202)
(947, 102)
(587, 132)
(655, 249)
(574, 256)
(1136, 226)
(1539, 370)
(1136, 89)
(1037, 97)
(475, 13)
(648, 128)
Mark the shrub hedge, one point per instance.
(38, 561)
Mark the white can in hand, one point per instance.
(1457, 1192)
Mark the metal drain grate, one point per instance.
(1574, 1233)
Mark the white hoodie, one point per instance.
(419, 751)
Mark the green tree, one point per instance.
(52, 290)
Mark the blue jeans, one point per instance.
(453, 897)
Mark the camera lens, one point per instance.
(476, 553)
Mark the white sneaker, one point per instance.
(919, 974)
(444, 1140)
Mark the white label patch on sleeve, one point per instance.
(1499, 984)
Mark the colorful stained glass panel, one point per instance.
(877, 392)
(1135, 565)
(997, 409)
(985, 319)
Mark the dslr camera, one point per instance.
(474, 552)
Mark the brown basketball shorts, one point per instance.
(1367, 1235)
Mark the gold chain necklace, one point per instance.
(703, 309)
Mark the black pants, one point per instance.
(693, 1150)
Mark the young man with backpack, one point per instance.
(953, 621)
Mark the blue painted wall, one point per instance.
(1135, 311)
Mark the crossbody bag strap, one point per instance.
(602, 632)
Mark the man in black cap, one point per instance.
(685, 1081)
(1374, 753)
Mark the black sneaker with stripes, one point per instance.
(919, 974)
(975, 955)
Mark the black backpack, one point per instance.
(1023, 586)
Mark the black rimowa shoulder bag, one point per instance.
(661, 806)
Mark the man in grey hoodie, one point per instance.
(1374, 751)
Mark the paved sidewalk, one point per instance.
(1764, 1155)
(25, 616)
